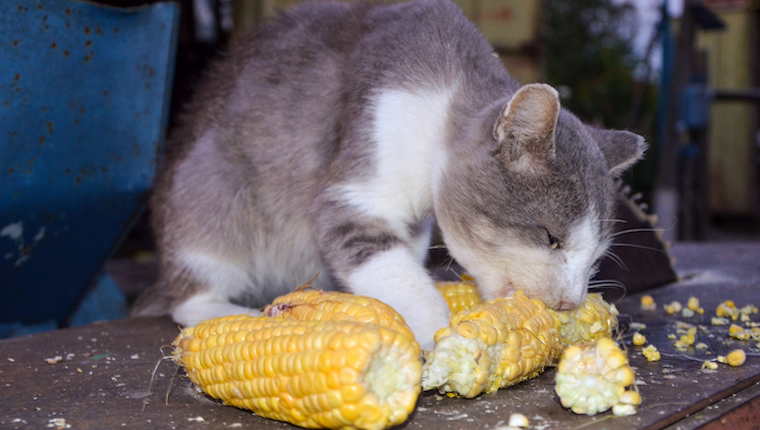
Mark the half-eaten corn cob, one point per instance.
(502, 342)
(592, 379)
(317, 374)
(493, 345)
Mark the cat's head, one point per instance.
(532, 209)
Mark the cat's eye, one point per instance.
(553, 241)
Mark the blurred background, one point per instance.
(683, 73)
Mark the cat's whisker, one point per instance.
(618, 220)
(633, 245)
(637, 230)
(608, 284)
(617, 260)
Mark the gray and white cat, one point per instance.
(334, 138)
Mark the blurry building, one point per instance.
(733, 65)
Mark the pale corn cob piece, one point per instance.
(459, 295)
(308, 304)
(592, 378)
(493, 345)
(316, 374)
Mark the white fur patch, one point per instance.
(408, 132)
(205, 306)
(395, 278)
(585, 247)
(228, 279)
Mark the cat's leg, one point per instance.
(209, 283)
(369, 257)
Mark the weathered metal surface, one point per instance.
(103, 378)
(83, 102)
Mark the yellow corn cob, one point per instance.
(317, 374)
(592, 378)
(308, 304)
(592, 320)
(505, 341)
(459, 295)
(493, 345)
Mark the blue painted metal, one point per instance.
(695, 105)
(84, 94)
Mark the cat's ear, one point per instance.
(621, 149)
(525, 128)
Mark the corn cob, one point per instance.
(592, 320)
(493, 345)
(308, 304)
(505, 341)
(592, 379)
(459, 295)
(316, 374)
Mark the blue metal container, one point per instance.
(84, 94)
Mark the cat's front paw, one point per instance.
(425, 322)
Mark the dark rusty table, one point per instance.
(100, 376)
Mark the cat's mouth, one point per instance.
(507, 290)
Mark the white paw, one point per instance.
(206, 306)
(425, 320)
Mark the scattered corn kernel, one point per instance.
(671, 336)
(648, 303)
(693, 303)
(639, 339)
(710, 365)
(629, 403)
(637, 326)
(651, 353)
(687, 339)
(701, 345)
(591, 378)
(687, 313)
(719, 321)
(736, 357)
(727, 309)
(518, 420)
(738, 332)
(673, 307)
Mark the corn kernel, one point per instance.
(648, 303)
(518, 420)
(687, 339)
(651, 353)
(736, 357)
(693, 303)
(710, 365)
(719, 321)
(639, 339)
(673, 307)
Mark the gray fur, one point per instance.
(288, 115)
